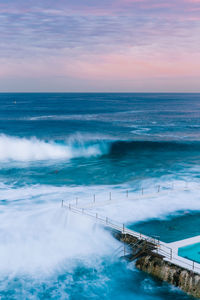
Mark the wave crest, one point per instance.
(33, 149)
(77, 145)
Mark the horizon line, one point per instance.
(97, 92)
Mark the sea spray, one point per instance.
(44, 158)
(33, 149)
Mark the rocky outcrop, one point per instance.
(155, 265)
(126, 238)
(186, 280)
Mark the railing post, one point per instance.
(110, 195)
(94, 198)
(106, 220)
(96, 215)
(123, 228)
(76, 201)
(170, 253)
(127, 193)
(158, 188)
(69, 206)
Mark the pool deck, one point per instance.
(170, 252)
(182, 243)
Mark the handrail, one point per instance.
(137, 194)
(161, 247)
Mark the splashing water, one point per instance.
(62, 149)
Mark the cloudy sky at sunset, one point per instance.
(100, 45)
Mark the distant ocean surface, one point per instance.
(57, 147)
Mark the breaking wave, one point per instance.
(34, 149)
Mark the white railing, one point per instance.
(161, 248)
(137, 194)
(171, 256)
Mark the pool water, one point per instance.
(174, 228)
(191, 252)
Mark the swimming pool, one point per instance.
(172, 229)
(191, 252)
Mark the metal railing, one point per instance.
(160, 247)
(137, 194)
(110, 223)
(175, 259)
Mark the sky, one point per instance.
(100, 46)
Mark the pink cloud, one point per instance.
(152, 43)
(153, 8)
(112, 66)
(128, 72)
(129, 67)
(193, 1)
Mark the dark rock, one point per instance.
(188, 281)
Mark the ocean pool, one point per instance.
(191, 252)
(174, 228)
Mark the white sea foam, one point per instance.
(142, 131)
(101, 117)
(183, 196)
(33, 149)
(42, 240)
(38, 237)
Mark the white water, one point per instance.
(33, 149)
(38, 237)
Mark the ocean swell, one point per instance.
(122, 147)
(34, 149)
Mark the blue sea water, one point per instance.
(57, 147)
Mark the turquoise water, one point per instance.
(176, 227)
(57, 147)
(191, 252)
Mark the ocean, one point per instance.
(63, 146)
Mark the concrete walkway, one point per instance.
(169, 251)
(182, 243)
